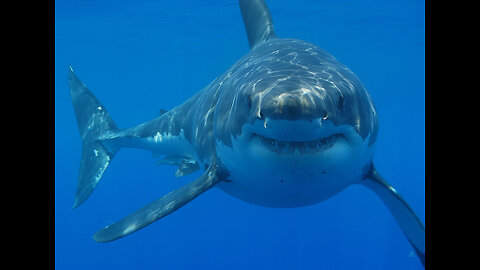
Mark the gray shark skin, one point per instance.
(287, 125)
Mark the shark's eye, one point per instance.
(324, 115)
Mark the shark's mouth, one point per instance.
(302, 147)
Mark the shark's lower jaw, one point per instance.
(298, 147)
(292, 164)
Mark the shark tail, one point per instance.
(93, 122)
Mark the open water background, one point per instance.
(138, 57)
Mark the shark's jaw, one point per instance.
(298, 147)
(279, 163)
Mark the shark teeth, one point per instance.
(303, 147)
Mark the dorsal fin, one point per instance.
(257, 20)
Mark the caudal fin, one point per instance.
(93, 121)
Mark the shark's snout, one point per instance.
(293, 106)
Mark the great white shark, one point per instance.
(286, 126)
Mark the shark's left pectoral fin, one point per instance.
(408, 221)
(159, 208)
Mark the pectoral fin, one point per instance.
(408, 221)
(159, 208)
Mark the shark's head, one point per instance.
(295, 127)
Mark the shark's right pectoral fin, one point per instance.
(159, 208)
(405, 217)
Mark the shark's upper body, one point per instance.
(287, 125)
(300, 121)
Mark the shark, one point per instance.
(287, 125)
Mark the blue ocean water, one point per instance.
(138, 57)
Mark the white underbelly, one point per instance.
(288, 187)
(265, 178)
